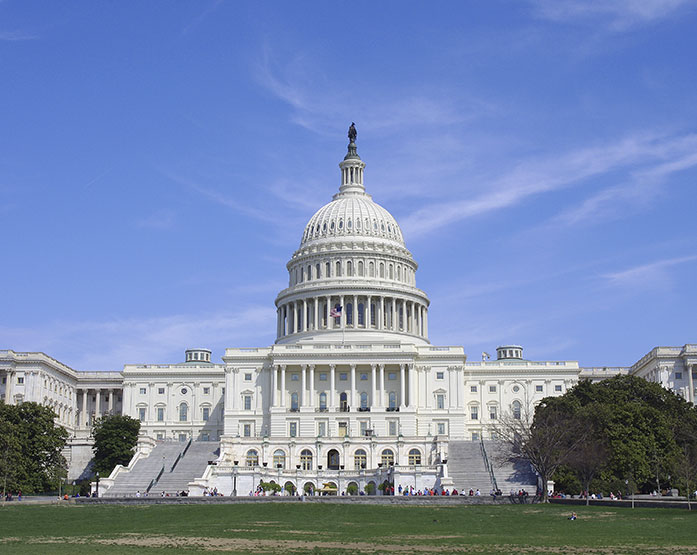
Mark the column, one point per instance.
(395, 323)
(355, 311)
(305, 318)
(332, 382)
(278, 322)
(374, 388)
(9, 379)
(97, 406)
(690, 384)
(381, 314)
(425, 322)
(342, 320)
(327, 311)
(83, 416)
(412, 381)
(353, 387)
(283, 385)
(413, 317)
(295, 316)
(312, 385)
(111, 401)
(316, 313)
(368, 312)
(401, 385)
(303, 384)
(381, 395)
(274, 390)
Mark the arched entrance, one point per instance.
(333, 459)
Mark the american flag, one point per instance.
(335, 312)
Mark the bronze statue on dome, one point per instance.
(352, 133)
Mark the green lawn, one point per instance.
(276, 527)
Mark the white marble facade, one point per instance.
(352, 384)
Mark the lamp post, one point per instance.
(97, 491)
(234, 479)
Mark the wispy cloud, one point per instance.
(617, 14)
(196, 21)
(12, 36)
(640, 156)
(96, 345)
(647, 276)
(162, 219)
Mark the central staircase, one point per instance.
(467, 468)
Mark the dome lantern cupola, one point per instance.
(351, 167)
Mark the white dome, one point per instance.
(352, 215)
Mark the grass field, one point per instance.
(336, 528)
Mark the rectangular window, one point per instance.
(364, 377)
(363, 426)
(20, 379)
(557, 388)
(392, 428)
(205, 436)
(160, 435)
(206, 390)
(441, 428)
(538, 388)
(474, 413)
(160, 390)
(492, 413)
(323, 377)
(678, 375)
(492, 389)
(247, 402)
(475, 436)
(391, 376)
(206, 414)
(473, 389)
(440, 375)
(247, 430)
(440, 401)
(141, 414)
(294, 377)
(322, 429)
(143, 391)
(293, 429)
(343, 376)
(248, 377)
(160, 414)
(343, 429)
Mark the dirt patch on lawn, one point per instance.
(277, 546)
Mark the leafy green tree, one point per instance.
(31, 444)
(115, 438)
(369, 488)
(635, 421)
(352, 489)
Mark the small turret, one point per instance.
(509, 352)
(198, 355)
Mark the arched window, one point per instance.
(183, 412)
(399, 273)
(327, 269)
(322, 401)
(371, 269)
(338, 269)
(309, 273)
(294, 401)
(372, 314)
(516, 409)
(391, 270)
(306, 459)
(279, 458)
(317, 272)
(343, 402)
(387, 457)
(360, 268)
(349, 268)
(364, 400)
(414, 457)
(382, 270)
(392, 400)
(349, 314)
(360, 459)
(252, 458)
(361, 319)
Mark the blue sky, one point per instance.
(159, 160)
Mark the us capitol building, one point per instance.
(351, 392)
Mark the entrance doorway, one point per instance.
(333, 460)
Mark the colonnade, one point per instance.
(309, 394)
(357, 312)
(85, 418)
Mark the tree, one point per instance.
(589, 456)
(637, 421)
(31, 444)
(352, 489)
(115, 438)
(369, 488)
(545, 440)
